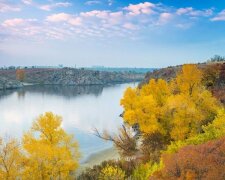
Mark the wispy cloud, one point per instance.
(49, 7)
(125, 22)
(27, 2)
(189, 11)
(164, 18)
(130, 26)
(93, 2)
(219, 17)
(6, 7)
(13, 22)
(110, 2)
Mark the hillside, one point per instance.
(66, 76)
(214, 77)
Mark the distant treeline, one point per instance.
(31, 67)
(123, 69)
(217, 58)
(106, 69)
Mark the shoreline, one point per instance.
(97, 158)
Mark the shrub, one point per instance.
(112, 173)
(205, 161)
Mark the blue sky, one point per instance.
(110, 32)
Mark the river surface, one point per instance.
(82, 108)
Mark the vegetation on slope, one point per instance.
(169, 118)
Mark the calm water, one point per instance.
(82, 108)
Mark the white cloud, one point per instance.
(63, 17)
(96, 13)
(92, 2)
(164, 18)
(219, 17)
(27, 2)
(192, 12)
(141, 8)
(58, 17)
(130, 26)
(5, 7)
(33, 29)
(49, 7)
(13, 22)
(125, 22)
(46, 7)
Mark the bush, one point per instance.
(205, 161)
(95, 171)
(111, 173)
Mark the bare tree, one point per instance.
(125, 141)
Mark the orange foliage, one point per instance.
(205, 161)
(20, 74)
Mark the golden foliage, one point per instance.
(11, 159)
(176, 109)
(51, 152)
(112, 173)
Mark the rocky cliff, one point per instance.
(6, 83)
(67, 76)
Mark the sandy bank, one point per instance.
(97, 158)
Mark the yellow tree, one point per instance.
(175, 110)
(144, 106)
(11, 159)
(51, 152)
(190, 105)
(189, 80)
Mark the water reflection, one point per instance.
(65, 91)
(82, 108)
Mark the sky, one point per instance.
(85, 33)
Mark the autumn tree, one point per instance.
(20, 74)
(215, 77)
(51, 152)
(211, 75)
(182, 104)
(11, 159)
(170, 111)
(205, 161)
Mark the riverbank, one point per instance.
(98, 158)
(6, 83)
(66, 76)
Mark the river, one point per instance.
(82, 108)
